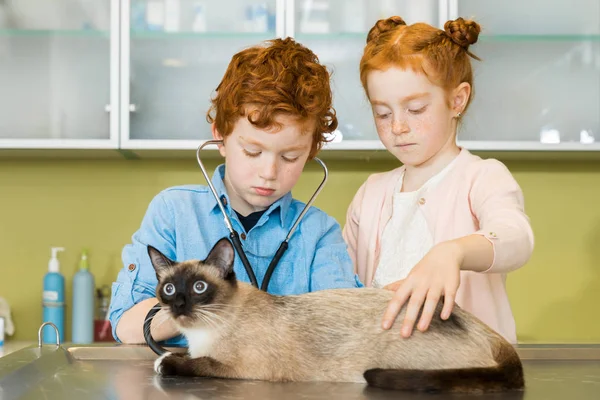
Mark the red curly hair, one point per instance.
(281, 78)
(442, 55)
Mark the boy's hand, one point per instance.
(437, 274)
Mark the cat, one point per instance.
(235, 330)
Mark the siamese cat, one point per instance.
(235, 330)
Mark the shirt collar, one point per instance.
(218, 183)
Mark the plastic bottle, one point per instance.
(53, 299)
(102, 327)
(155, 15)
(172, 15)
(199, 23)
(1, 331)
(82, 327)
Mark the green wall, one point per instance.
(99, 203)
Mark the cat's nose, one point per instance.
(179, 304)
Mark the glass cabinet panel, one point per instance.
(539, 78)
(55, 69)
(179, 52)
(336, 30)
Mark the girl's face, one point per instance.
(415, 119)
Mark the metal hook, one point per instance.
(312, 198)
(209, 182)
(40, 334)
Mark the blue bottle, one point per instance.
(83, 304)
(53, 299)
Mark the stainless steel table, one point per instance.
(125, 372)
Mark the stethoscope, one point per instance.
(237, 244)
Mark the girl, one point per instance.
(447, 224)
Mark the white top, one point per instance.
(406, 237)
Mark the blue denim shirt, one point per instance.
(185, 222)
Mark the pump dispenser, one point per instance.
(83, 303)
(53, 299)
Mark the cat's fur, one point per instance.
(237, 331)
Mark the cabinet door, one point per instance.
(336, 30)
(538, 84)
(58, 86)
(175, 53)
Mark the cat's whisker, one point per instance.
(217, 321)
(206, 317)
(218, 306)
(207, 321)
(164, 318)
(163, 312)
(214, 314)
(222, 304)
(210, 307)
(220, 311)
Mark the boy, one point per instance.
(271, 109)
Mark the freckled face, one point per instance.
(413, 117)
(261, 165)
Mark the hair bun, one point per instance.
(462, 32)
(384, 25)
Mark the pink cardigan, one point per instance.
(477, 197)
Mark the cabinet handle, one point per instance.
(132, 108)
(107, 108)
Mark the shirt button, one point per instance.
(422, 200)
(243, 236)
(131, 267)
(224, 200)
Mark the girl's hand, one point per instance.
(436, 275)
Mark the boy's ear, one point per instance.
(160, 262)
(217, 136)
(221, 256)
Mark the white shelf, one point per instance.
(73, 144)
(377, 145)
(528, 146)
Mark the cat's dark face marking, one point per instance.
(185, 287)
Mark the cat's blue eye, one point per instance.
(169, 289)
(200, 287)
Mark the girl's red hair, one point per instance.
(442, 55)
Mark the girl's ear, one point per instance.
(217, 136)
(460, 97)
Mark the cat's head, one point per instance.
(184, 288)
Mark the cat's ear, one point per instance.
(160, 262)
(222, 256)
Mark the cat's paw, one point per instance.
(170, 363)
(158, 364)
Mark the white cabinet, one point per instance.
(538, 86)
(174, 54)
(139, 74)
(58, 74)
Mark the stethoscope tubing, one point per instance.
(237, 244)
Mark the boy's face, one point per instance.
(262, 166)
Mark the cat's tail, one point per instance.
(506, 375)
